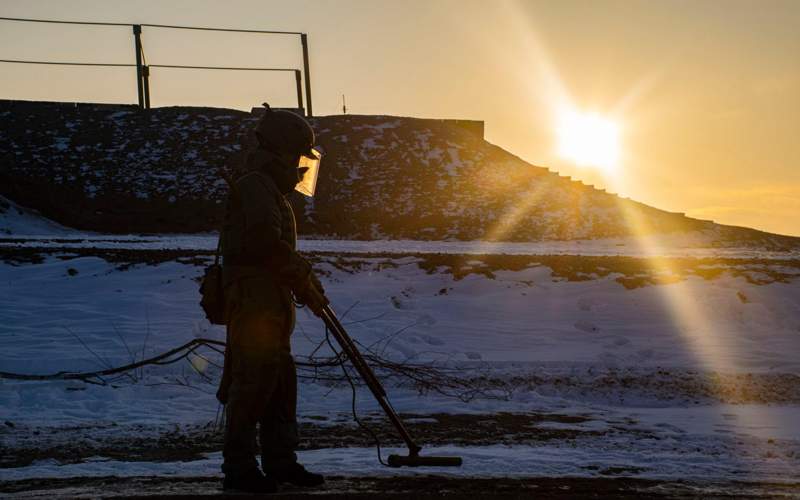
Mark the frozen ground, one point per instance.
(15, 220)
(23, 228)
(666, 246)
(593, 366)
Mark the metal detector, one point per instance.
(413, 459)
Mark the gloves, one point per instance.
(305, 285)
(312, 294)
(316, 283)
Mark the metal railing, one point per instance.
(143, 69)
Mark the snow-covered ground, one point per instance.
(21, 227)
(579, 372)
(527, 316)
(681, 380)
(652, 246)
(16, 220)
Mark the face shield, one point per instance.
(308, 185)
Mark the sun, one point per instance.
(588, 139)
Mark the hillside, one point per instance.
(114, 168)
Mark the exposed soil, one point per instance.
(123, 257)
(74, 445)
(630, 272)
(635, 271)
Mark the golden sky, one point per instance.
(706, 92)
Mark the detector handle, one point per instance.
(360, 364)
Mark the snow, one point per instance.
(694, 379)
(626, 247)
(61, 143)
(452, 167)
(119, 114)
(667, 457)
(379, 127)
(15, 219)
(369, 143)
(25, 228)
(519, 322)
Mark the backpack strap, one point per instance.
(219, 249)
(232, 187)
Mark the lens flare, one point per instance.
(588, 139)
(594, 139)
(198, 362)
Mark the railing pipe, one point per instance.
(143, 70)
(299, 85)
(137, 35)
(146, 83)
(304, 41)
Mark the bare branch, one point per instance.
(113, 371)
(440, 378)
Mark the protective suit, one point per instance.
(262, 271)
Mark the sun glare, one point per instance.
(588, 139)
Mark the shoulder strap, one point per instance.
(219, 249)
(231, 187)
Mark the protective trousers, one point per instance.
(263, 385)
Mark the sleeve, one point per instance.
(262, 221)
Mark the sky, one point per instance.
(706, 94)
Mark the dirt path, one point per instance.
(421, 487)
(76, 444)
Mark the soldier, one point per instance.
(262, 271)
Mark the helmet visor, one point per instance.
(308, 184)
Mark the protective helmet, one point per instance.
(282, 131)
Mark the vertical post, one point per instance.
(304, 41)
(146, 84)
(299, 85)
(137, 35)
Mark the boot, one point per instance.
(251, 482)
(295, 474)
